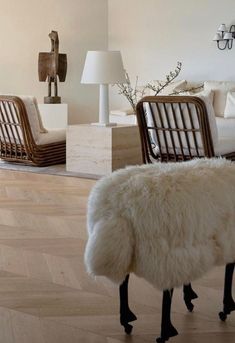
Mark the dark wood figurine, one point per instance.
(51, 66)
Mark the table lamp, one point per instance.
(103, 68)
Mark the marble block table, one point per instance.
(97, 150)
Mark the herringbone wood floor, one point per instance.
(45, 294)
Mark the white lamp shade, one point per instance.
(228, 35)
(103, 67)
(218, 36)
(222, 27)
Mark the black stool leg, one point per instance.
(126, 316)
(167, 329)
(189, 295)
(229, 304)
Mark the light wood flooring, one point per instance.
(45, 294)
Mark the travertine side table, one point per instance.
(99, 150)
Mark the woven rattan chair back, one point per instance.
(174, 128)
(17, 143)
(15, 131)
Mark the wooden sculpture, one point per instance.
(51, 66)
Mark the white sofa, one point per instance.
(226, 127)
(220, 89)
(225, 121)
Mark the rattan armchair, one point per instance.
(179, 128)
(22, 137)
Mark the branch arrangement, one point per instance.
(158, 86)
(134, 93)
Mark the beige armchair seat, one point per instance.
(23, 137)
(52, 136)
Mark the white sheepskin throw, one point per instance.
(168, 223)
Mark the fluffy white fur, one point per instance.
(169, 223)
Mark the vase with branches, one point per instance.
(134, 93)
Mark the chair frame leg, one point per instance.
(189, 295)
(167, 329)
(126, 315)
(229, 304)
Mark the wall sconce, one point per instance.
(224, 38)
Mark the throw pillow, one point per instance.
(205, 93)
(220, 88)
(229, 111)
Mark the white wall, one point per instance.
(24, 29)
(154, 34)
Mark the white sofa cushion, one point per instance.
(202, 93)
(226, 127)
(220, 88)
(229, 111)
(226, 133)
(225, 146)
(195, 86)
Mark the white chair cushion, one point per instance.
(41, 126)
(40, 134)
(33, 116)
(33, 113)
(220, 88)
(52, 136)
(206, 97)
(229, 111)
